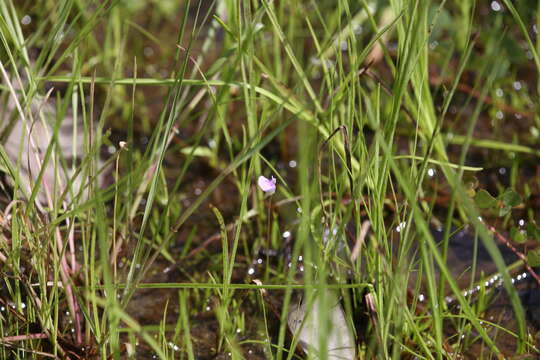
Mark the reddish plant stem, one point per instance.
(518, 253)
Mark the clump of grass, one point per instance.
(154, 240)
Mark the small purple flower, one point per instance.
(267, 185)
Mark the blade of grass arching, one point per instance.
(423, 228)
(55, 35)
(131, 323)
(160, 148)
(100, 11)
(525, 32)
(13, 27)
(492, 48)
(288, 49)
(452, 204)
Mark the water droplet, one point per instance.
(259, 261)
(286, 234)
(495, 6)
(517, 85)
(198, 191)
(499, 114)
(299, 210)
(208, 308)
(300, 258)
(499, 92)
(421, 297)
(238, 331)
(251, 271)
(431, 172)
(401, 226)
(212, 144)
(292, 164)
(26, 20)
(502, 171)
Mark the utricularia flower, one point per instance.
(267, 185)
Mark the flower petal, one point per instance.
(267, 185)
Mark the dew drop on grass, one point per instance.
(286, 234)
(517, 85)
(431, 172)
(499, 114)
(292, 164)
(521, 222)
(502, 171)
(401, 226)
(251, 271)
(499, 92)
